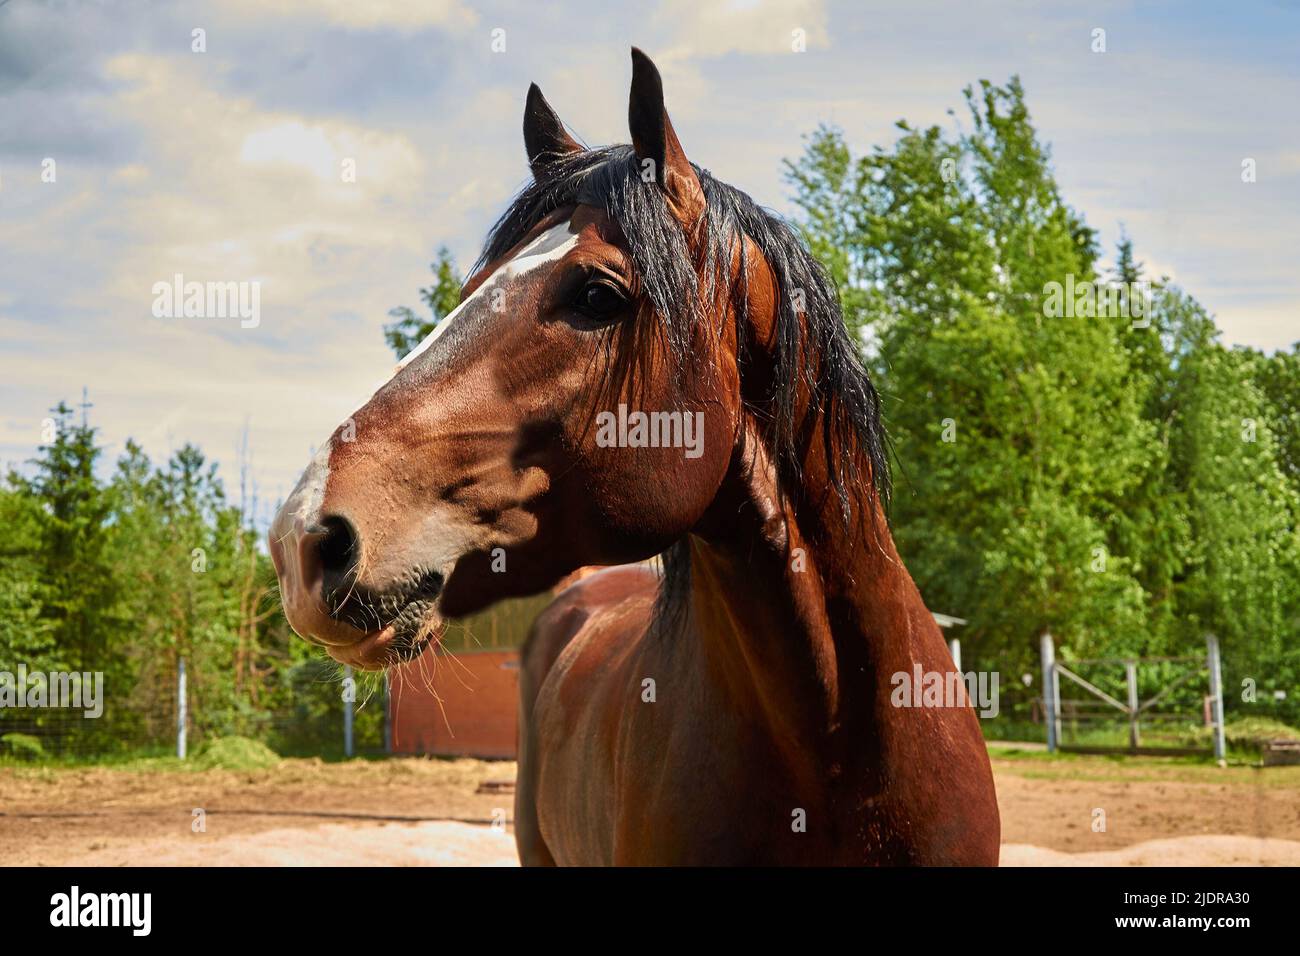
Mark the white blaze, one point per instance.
(550, 246)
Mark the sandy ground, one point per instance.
(419, 812)
(1176, 851)
(329, 844)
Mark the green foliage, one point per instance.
(829, 189)
(23, 746)
(1126, 485)
(1278, 377)
(129, 576)
(1247, 733)
(441, 298)
(312, 724)
(68, 550)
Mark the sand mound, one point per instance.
(1177, 851)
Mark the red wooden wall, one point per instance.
(478, 711)
(479, 689)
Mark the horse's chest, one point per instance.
(649, 764)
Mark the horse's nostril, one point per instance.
(428, 585)
(339, 550)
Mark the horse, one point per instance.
(650, 373)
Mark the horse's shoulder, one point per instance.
(606, 591)
(609, 585)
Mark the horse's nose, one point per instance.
(316, 564)
(337, 551)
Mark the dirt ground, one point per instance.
(426, 812)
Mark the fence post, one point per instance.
(954, 648)
(1216, 695)
(1051, 692)
(348, 694)
(1130, 672)
(388, 716)
(180, 710)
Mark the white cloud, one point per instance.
(223, 190)
(323, 149)
(238, 193)
(739, 26)
(406, 15)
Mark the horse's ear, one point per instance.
(660, 154)
(545, 137)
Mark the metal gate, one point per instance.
(1133, 710)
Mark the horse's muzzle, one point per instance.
(317, 564)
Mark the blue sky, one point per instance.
(225, 166)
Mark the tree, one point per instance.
(1239, 577)
(126, 577)
(1018, 433)
(1278, 376)
(26, 631)
(441, 298)
(1116, 477)
(77, 589)
(828, 187)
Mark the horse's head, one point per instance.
(581, 406)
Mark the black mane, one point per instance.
(816, 351)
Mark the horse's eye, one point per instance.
(600, 300)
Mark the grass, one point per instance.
(218, 753)
(1246, 737)
(1241, 771)
(235, 753)
(159, 760)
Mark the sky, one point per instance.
(227, 164)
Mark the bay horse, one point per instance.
(735, 708)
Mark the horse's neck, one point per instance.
(806, 620)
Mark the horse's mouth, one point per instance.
(396, 625)
(387, 647)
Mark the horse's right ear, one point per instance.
(545, 137)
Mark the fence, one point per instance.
(319, 708)
(331, 712)
(1169, 728)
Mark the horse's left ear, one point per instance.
(656, 143)
(545, 137)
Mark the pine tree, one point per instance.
(77, 587)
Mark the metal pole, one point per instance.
(388, 716)
(1056, 697)
(954, 648)
(180, 710)
(1131, 671)
(1216, 695)
(1051, 691)
(347, 710)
